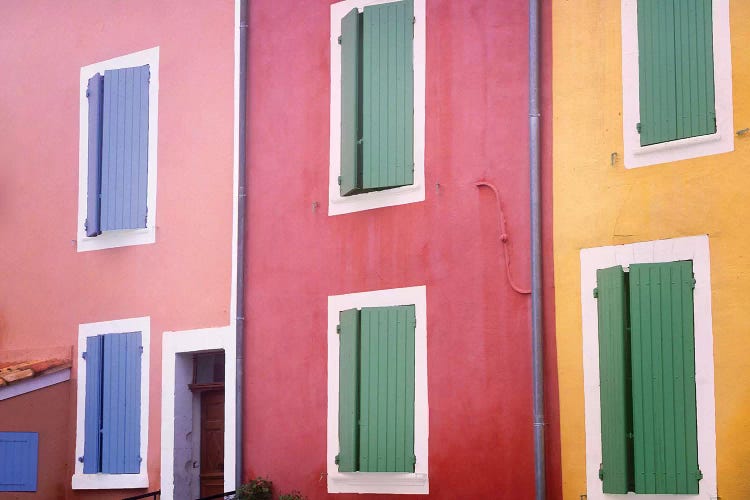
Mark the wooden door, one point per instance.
(212, 443)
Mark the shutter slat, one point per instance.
(676, 69)
(125, 148)
(95, 93)
(388, 96)
(664, 401)
(122, 403)
(614, 390)
(349, 351)
(351, 103)
(93, 406)
(19, 457)
(387, 390)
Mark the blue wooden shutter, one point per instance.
(125, 148)
(95, 95)
(93, 406)
(614, 392)
(351, 103)
(663, 363)
(387, 389)
(676, 70)
(19, 454)
(348, 456)
(388, 95)
(121, 403)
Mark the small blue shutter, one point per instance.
(19, 454)
(121, 403)
(95, 93)
(93, 416)
(125, 148)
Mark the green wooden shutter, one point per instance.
(351, 103)
(614, 393)
(676, 70)
(388, 95)
(663, 365)
(387, 390)
(348, 456)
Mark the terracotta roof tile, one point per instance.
(21, 370)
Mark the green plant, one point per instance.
(259, 488)
(295, 495)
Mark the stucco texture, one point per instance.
(597, 203)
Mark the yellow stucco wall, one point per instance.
(597, 204)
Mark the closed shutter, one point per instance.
(676, 70)
(387, 389)
(124, 148)
(19, 454)
(388, 95)
(93, 406)
(351, 103)
(663, 364)
(95, 95)
(614, 389)
(348, 456)
(121, 403)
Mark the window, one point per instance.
(112, 405)
(677, 76)
(377, 391)
(19, 454)
(647, 377)
(118, 149)
(377, 104)
(648, 370)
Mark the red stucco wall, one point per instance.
(181, 281)
(478, 337)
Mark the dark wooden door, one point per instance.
(212, 442)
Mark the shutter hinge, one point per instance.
(414, 460)
(80, 459)
(596, 293)
(86, 225)
(83, 355)
(339, 39)
(698, 475)
(338, 329)
(693, 283)
(601, 472)
(140, 459)
(638, 127)
(414, 20)
(339, 180)
(337, 459)
(88, 92)
(141, 349)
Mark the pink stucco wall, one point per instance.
(181, 281)
(478, 338)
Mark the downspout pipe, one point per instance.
(537, 353)
(241, 208)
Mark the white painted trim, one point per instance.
(693, 248)
(380, 482)
(32, 384)
(174, 343)
(720, 142)
(101, 481)
(127, 237)
(338, 204)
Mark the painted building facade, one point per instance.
(650, 149)
(324, 253)
(118, 144)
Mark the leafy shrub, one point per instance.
(295, 495)
(259, 488)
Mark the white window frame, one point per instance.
(101, 481)
(380, 482)
(124, 237)
(693, 248)
(722, 141)
(412, 193)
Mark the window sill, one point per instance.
(682, 149)
(109, 481)
(338, 205)
(378, 482)
(114, 239)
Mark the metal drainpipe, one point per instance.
(537, 356)
(241, 190)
